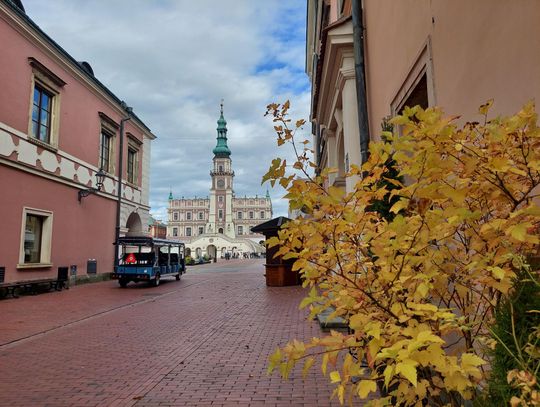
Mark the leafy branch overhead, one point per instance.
(416, 267)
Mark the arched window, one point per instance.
(220, 230)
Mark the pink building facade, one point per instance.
(59, 126)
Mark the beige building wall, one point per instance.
(472, 50)
(466, 51)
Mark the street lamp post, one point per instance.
(119, 191)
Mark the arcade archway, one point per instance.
(211, 251)
(134, 225)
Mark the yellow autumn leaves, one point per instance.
(417, 289)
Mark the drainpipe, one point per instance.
(119, 192)
(359, 68)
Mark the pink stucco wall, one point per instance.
(482, 49)
(80, 231)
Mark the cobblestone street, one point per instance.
(202, 341)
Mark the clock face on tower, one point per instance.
(220, 183)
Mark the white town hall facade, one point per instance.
(222, 222)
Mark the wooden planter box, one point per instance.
(280, 275)
(278, 271)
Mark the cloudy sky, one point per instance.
(174, 60)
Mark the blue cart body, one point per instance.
(148, 259)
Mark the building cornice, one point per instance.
(329, 31)
(333, 74)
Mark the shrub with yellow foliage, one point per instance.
(418, 289)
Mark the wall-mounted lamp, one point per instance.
(100, 177)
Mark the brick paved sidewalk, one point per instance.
(203, 341)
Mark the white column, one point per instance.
(351, 132)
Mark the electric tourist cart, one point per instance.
(143, 258)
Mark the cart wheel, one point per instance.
(155, 281)
(123, 282)
(177, 277)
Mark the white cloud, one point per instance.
(174, 60)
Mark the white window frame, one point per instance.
(109, 127)
(423, 64)
(110, 159)
(47, 80)
(135, 171)
(135, 145)
(240, 230)
(46, 238)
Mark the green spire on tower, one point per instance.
(267, 194)
(221, 149)
(170, 196)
